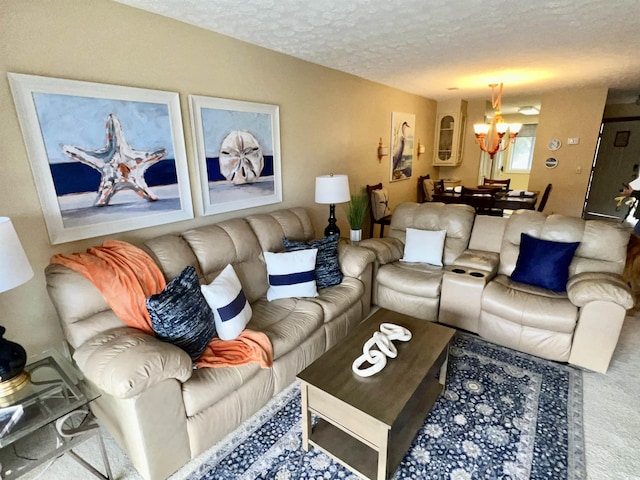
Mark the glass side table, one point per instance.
(56, 397)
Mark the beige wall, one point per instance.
(329, 121)
(574, 113)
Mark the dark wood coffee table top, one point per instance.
(383, 395)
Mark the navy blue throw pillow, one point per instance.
(544, 263)
(328, 271)
(180, 314)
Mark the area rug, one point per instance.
(503, 415)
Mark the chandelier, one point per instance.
(489, 135)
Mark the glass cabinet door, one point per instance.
(445, 142)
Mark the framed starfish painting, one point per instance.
(238, 153)
(105, 158)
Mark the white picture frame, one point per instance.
(403, 126)
(71, 128)
(230, 177)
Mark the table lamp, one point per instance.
(332, 189)
(14, 271)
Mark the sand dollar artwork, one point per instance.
(241, 158)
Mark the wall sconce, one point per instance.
(382, 150)
(421, 148)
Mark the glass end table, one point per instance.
(55, 397)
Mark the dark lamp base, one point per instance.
(332, 227)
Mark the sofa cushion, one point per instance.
(339, 298)
(328, 271)
(544, 263)
(208, 386)
(180, 314)
(419, 279)
(291, 274)
(230, 308)
(424, 246)
(287, 322)
(529, 305)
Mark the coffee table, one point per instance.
(368, 424)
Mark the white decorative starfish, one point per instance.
(121, 166)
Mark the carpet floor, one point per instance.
(503, 415)
(611, 423)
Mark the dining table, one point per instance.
(502, 200)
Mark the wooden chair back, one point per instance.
(421, 195)
(544, 198)
(482, 199)
(382, 221)
(504, 184)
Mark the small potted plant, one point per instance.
(356, 213)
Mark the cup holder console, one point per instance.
(473, 274)
(461, 297)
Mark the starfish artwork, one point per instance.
(120, 165)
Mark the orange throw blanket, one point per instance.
(126, 276)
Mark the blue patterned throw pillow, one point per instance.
(291, 274)
(230, 307)
(180, 314)
(328, 271)
(544, 263)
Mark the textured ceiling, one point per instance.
(428, 47)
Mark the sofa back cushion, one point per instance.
(238, 242)
(603, 245)
(212, 248)
(270, 228)
(457, 220)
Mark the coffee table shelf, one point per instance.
(340, 445)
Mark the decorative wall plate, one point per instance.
(554, 144)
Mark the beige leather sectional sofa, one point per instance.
(161, 410)
(473, 289)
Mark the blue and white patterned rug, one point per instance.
(504, 415)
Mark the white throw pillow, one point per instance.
(424, 246)
(231, 310)
(291, 274)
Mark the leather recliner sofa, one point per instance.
(473, 289)
(159, 409)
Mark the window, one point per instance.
(521, 152)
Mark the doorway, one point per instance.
(617, 162)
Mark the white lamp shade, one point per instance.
(332, 189)
(481, 128)
(14, 265)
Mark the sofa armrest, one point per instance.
(387, 249)
(354, 259)
(604, 286)
(479, 260)
(125, 361)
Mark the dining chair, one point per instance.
(544, 198)
(379, 211)
(483, 200)
(504, 184)
(422, 193)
